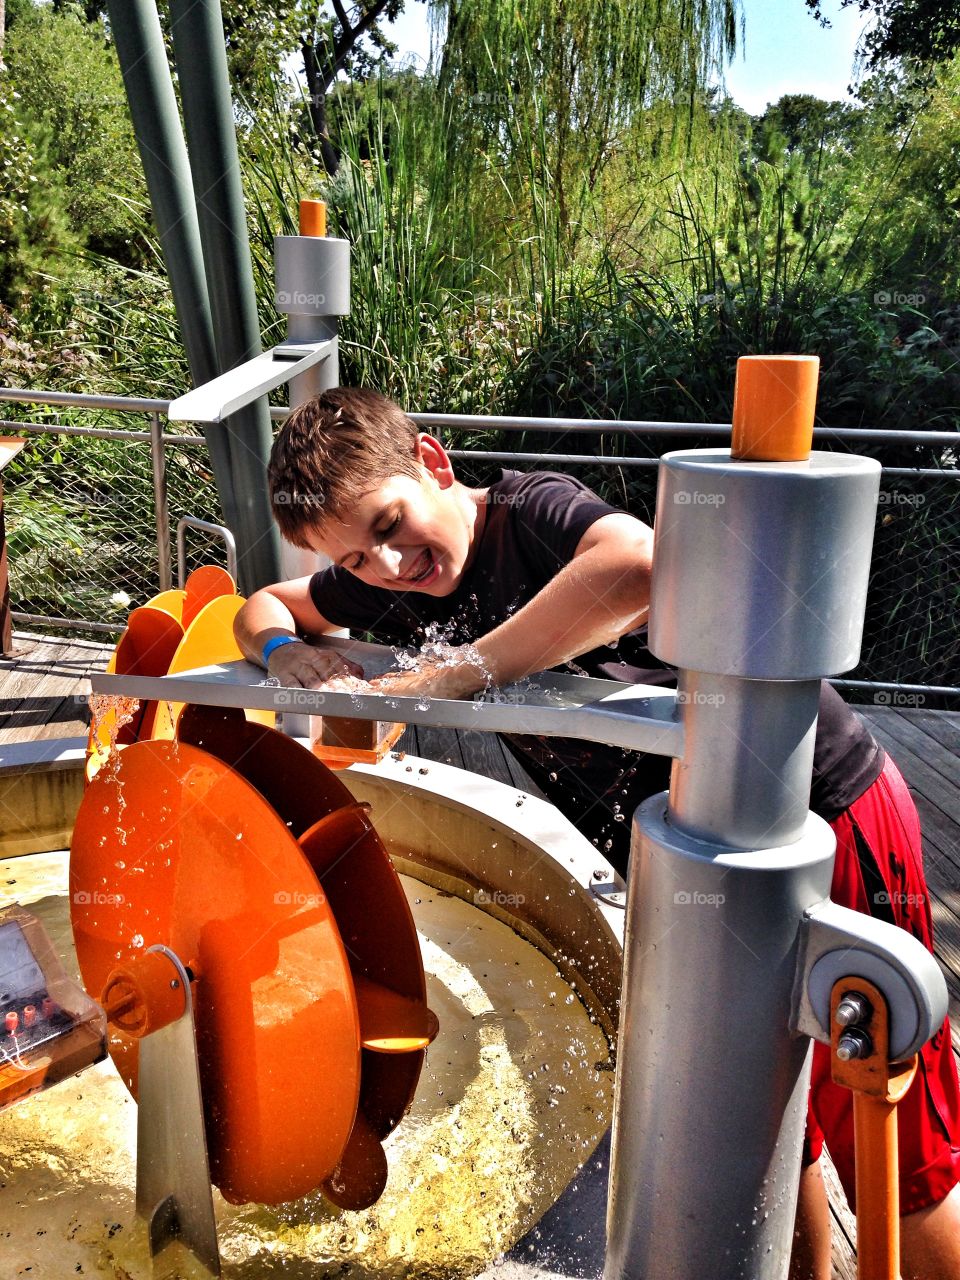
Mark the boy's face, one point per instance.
(408, 534)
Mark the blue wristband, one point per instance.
(276, 642)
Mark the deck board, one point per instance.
(41, 696)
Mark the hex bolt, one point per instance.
(854, 1044)
(853, 1008)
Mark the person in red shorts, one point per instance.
(879, 871)
(535, 571)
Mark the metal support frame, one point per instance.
(174, 1194)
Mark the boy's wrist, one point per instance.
(273, 644)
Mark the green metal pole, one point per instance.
(200, 51)
(156, 121)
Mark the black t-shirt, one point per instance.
(534, 523)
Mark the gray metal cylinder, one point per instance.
(312, 275)
(711, 1087)
(761, 568)
(744, 778)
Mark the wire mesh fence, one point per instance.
(85, 544)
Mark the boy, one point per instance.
(527, 574)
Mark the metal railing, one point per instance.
(89, 524)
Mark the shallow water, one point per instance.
(509, 1105)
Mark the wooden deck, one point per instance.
(42, 695)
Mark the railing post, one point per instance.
(160, 506)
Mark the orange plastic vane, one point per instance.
(391, 1023)
(206, 867)
(206, 583)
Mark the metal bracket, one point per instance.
(837, 943)
(220, 397)
(173, 1172)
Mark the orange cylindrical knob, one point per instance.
(313, 218)
(144, 995)
(774, 402)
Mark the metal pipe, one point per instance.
(160, 504)
(205, 526)
(36, 620)
(566, 458)
(100, 433)
(82, 400)
(904, 688)
(624, 426)
(198, 41)
(135, 28)
(744, 779)
(711, 1086)
(474, 422)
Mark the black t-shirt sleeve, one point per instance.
(552, 512)
(341, 598)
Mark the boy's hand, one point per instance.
(302, 666)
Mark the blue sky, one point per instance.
(783, 50)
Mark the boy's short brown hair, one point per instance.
(332, 450)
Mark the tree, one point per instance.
(912, 31)
(548, 88)
(331, 46)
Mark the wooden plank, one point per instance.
(844, 1232)
(43, 693)
(921, 744)
(927, 776)
(921, 779)
(20, 681)
(942, 725)
(442, 745)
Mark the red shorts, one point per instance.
(879, 871)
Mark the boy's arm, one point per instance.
(603, 592)
(287, 609)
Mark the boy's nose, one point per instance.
(386, 563)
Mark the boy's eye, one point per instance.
(381, 534)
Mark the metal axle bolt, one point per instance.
(854, 1044)
(852, 1009)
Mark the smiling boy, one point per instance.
(532, 572)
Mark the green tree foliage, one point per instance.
(912, 31)
(33, 225)
(71, 90)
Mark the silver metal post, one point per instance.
(759, 587)
(313, 290)
(160, 505)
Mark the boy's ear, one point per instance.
(433, 456)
